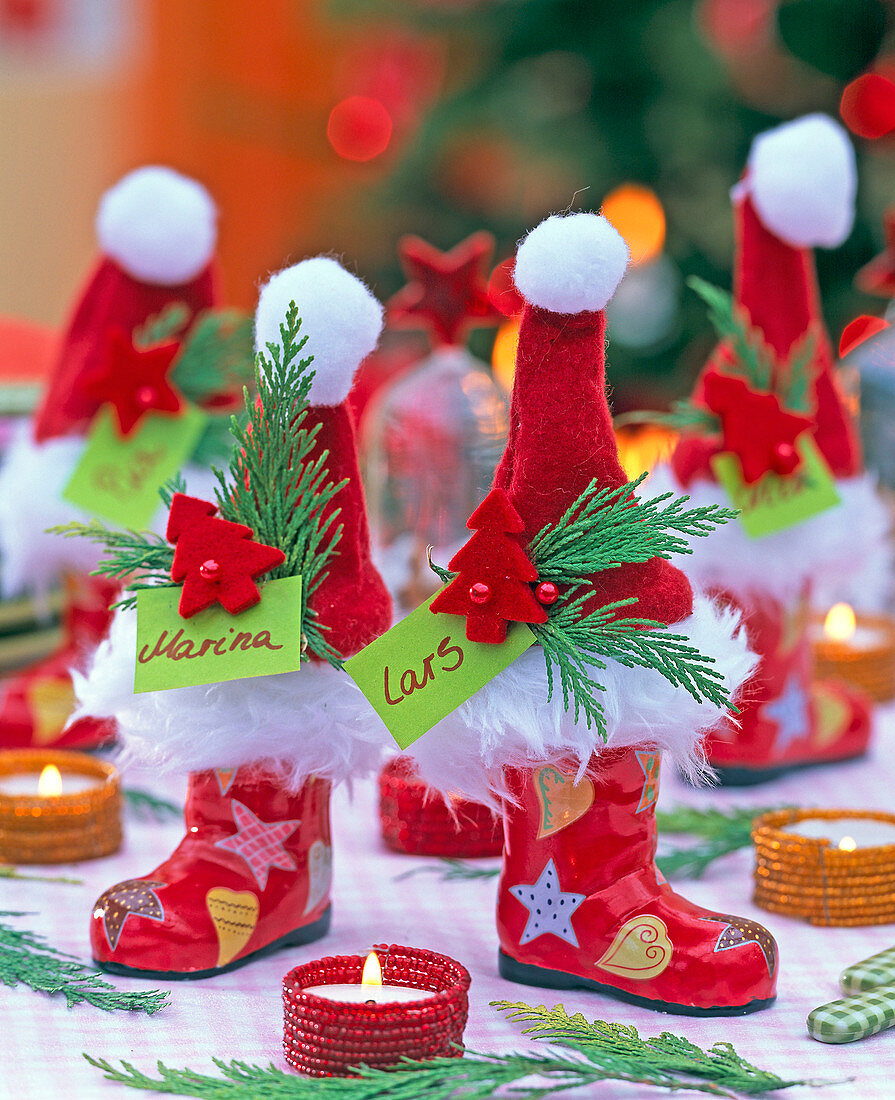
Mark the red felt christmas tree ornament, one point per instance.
(157, 233)
(797, 193)
(580, 902)
(494, 574)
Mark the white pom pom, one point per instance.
(571, 263)
(339, 315)
(802, 178)
(161, 227)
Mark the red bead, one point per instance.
(210, 570)
(547, 592)
(146, 396)
(480, 592)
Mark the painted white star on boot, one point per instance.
(259, 843)
(790, 713)
(549, 909)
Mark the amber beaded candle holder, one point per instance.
(418, 822)
(865, 658)
(327, 1037)
(81, 823)
(819, 879)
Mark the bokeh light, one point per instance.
(359, 128)
(637, 214)
(503, 355)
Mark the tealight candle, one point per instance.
(57, 807)
(337, 1015)
(829, 867)
(857, 648)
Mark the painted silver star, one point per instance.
(549, 909)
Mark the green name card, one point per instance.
(425, 667)
(118, 479)
(776, 501)
(214, 645)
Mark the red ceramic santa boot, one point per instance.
(581, 904)
(251, 875)
(787, 718)
(252, 872)
(797, 193)
(36, 703)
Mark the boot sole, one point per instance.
(751, 777)
(300, 936)
(526, 974)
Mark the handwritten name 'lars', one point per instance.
(180, 648)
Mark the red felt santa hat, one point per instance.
(342, 321)
(567, 269)
(797, 193)
(157, 233)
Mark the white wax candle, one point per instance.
(860, 831)
(865, 636)
(359, 994)
(26, 783)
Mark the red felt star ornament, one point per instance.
(215, 560)
(447, 292)
(134, 381)
(878, 277)
(754, 426)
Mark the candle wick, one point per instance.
(370, 1002)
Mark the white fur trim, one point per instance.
(32, 479)
(803, 180)
(315, 722)
(339, 315)
(839, 541)
(510, 723)
(571, 263)
(160, 226)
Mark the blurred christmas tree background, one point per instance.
(529, 106)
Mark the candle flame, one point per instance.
(372, 974)
(847, 844)
(50, 783)
(840, 623)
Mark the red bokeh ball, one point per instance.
(359, 128)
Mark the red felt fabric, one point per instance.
(777, 285)
(134, 381)
(492, 557)
(859, 330)
(754, 426)
(111, 297)
(561, 438)
(203, 538)
(878, 277)
(447, 292)
(352, 601)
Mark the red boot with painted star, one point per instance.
(37, 702)
(787, 719)
(581, 904)
(252, 874)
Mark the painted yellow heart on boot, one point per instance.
(641, 949)
(832, 714)
(51, 702)
(561, 801)
(234, 914)
(320, 874)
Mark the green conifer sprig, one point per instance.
(27, 959)
(581, 1054)
(605, 528)
(753, 358)
(275, 486)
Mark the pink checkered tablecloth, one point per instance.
(238, 1015)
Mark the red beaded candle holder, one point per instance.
(417, 821)
(329, 1038)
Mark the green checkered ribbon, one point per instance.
(853, 1018)
(869, 973)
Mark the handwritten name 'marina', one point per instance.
(180, 648)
